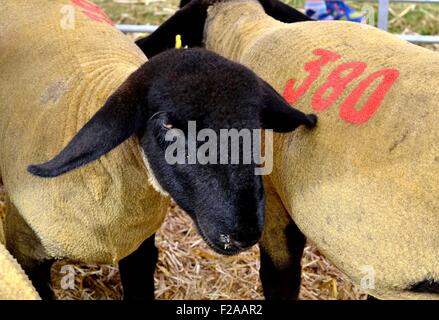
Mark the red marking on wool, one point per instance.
(354, 116)
(314, 68)
(339, 83)
(93, 11)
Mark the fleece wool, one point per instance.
(14, 284)
(363, 186)
(59, 62)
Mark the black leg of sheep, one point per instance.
(39, 274)
(26, 247)
(137, 272)
(281, 248)
(282, 282)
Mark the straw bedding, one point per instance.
(188, 269)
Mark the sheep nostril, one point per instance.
(231, 244)
(226, 241)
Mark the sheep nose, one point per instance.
(231, 244)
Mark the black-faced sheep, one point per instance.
(363, 186)
(85, 89)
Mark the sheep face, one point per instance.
(224, 198)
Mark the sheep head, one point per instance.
(225, 199)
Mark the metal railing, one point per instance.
(131, 28)
(383, 19)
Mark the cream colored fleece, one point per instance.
(364, 190)
(14, 284)
(53, 78)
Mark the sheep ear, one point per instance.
(119, 118)
(188, 22)
(283, 12)
(278, 115)
(184, 3)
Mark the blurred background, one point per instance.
(187, 268)
(404, 18)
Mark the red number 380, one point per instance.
(337, 82)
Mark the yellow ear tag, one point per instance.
(178, 42)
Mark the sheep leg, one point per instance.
(39, 273)
(26, 247)
(137, 271)
(281, 249)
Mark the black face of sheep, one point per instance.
(190, 20)
(226, 201)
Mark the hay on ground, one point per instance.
(188, 269)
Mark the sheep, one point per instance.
(363, 185)
(89, 100)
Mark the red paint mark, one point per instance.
(93, 11)
(314, 68)
(337, 83)
(98, 18)
(87, 5)
(347, 109)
